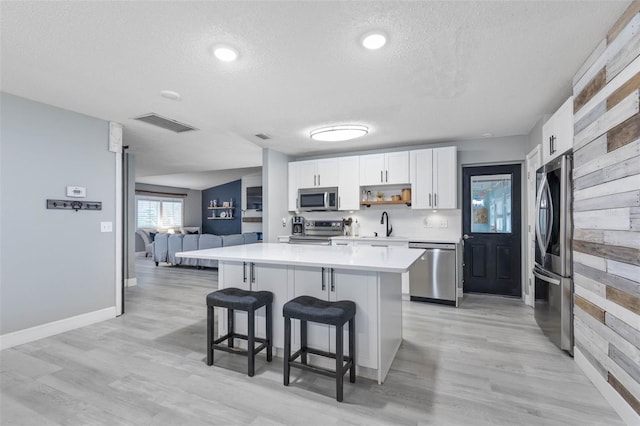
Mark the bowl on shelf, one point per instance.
(395, 198)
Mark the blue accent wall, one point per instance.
(228, 191)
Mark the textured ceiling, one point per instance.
(451, 70)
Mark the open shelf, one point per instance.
(221, 208)
(221, 218)
(380, 203)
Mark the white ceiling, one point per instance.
(451, 70)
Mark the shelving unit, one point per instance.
(380, 203)
(229, 208)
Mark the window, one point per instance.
(156, 212)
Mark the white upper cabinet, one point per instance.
(384, 169)
(318, 173)
(557, 132)
(348, 185)
(434, 178)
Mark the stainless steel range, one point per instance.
(319, 232)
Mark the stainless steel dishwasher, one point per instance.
(433, 277)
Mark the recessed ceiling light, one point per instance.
(339, 133)
(170, 94)
(225, 53)
(374, 40)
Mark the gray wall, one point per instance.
(54, 264)
(275, 180)
(535, 135)
(192, 202)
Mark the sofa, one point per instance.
(146, 236)
(165, 246)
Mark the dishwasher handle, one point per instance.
(432, 246)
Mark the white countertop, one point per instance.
(400, 239)
(376, 259)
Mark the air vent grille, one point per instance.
(165, 123)
(263, 136)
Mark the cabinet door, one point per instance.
(307, 174)
(348, 183)
(445, 178)
(563, 124)
(397, 167)
(293, 186)
(233, 274)
(422, 179)
(327, 172)
(309, 281)
(361, 288)
(372, 169)
(271, 278)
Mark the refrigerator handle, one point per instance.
(543, 249)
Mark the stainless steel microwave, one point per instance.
(318, 199)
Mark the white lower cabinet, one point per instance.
(258, 277)
(332, 285)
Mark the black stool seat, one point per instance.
(308, 308)
(243, 300)
(235, 298)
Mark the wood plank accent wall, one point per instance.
(606, 208)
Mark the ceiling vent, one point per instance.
(263, 136)
(165, 123)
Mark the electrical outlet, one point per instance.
(106, 227)
(428, 223)
(444, 223)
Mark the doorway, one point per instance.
(491, 226)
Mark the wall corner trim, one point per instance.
(20, 337)
(620, 406)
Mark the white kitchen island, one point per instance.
(369, 276)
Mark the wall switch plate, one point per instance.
(76, 191)
(106, 227)
(444, 223)
(428, 223)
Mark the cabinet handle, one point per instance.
(244, 272)
(429, 199)
(318, 180)
(332, 278)
(435, 200)
(253, 272)
(381, 179)
(552, 144)
(324, 286)
(386, 174)
(314, 181)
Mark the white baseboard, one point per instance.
(130, 282)
(20, 337)
(624, 410)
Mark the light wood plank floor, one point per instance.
(485, 363)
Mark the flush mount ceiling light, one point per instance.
(339, 133)
(170, 94)
(374, 40)
(225, 53)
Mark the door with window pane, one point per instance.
(491, 228)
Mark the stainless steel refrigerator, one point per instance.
(553, 259)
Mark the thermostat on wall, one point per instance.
(76, 191)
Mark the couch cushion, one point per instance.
(232, 240)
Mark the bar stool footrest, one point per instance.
(217, 346)
(317, 369)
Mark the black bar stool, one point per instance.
(307, 308)
(242, 300)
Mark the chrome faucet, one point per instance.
(389, 228)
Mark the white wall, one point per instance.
(274, 195)
(55, 264)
